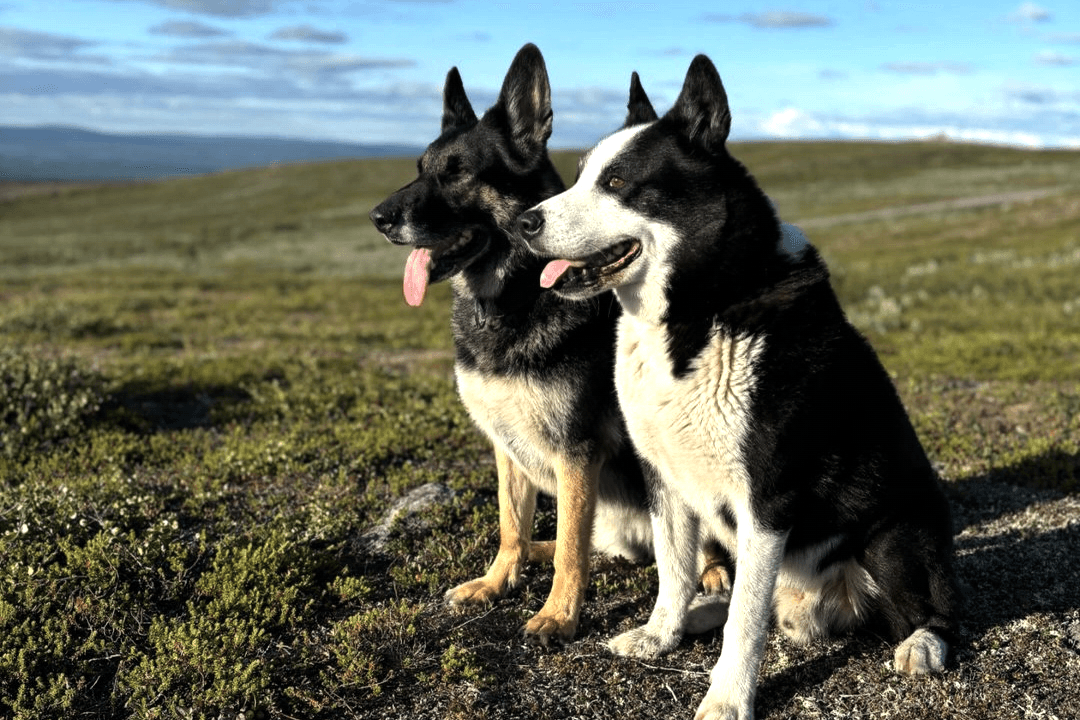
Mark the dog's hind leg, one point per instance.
(578, 484)
(716, 577)
(919, 598)
(517, 504)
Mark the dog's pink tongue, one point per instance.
(552, 272)
(416, 276)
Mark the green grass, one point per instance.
(211, 392)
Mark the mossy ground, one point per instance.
(213, 392)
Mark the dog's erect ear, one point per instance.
(702, 111)
(526, 99)
(457, 112)
(638, 110)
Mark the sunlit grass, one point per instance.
(215, 390)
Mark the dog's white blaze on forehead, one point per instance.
(597, 159)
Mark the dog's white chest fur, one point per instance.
(690, 428)
(511, 411)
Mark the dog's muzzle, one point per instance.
(387, 220)
(529, 224)
(384, 219)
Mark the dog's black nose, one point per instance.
(384, 219)
(530, 222)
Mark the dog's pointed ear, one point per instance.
(457, 111)
(638, 110)
(701, 110)
(526, 99)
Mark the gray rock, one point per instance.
(407, 509)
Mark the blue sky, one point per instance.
(372, 70)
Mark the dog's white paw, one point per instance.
(715, 708)
(642, 642)
(923, 653)
(705, 613)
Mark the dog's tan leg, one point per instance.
(577, 488)
(542, 551)
(517, 504)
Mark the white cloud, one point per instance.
(1053, 57)
(187, 29)
(36, 45)
(793, 123)
(1031, 94)
(790, 123)
(381, 115)
(774, 19)
(219, 8)
(786, 19)
(926, 68)
(1030, 12)
(307, 33)
(269, 61)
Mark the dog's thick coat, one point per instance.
(768, 418)
(535, 371)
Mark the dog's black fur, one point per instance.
(769, 418)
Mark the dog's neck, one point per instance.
(638, 303)
(646, 300)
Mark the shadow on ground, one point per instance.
(1017, 557)
(155, 408)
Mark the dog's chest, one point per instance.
(692, 427)
(520, 415)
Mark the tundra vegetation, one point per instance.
(214, 402)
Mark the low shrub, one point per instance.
(44, 399)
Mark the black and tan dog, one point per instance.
(535, 371)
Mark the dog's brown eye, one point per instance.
(615, 182)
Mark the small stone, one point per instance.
(406, 508)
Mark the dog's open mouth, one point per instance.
(432, 264)
(566, 275)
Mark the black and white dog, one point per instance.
(769, 420)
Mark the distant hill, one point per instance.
(48, 153)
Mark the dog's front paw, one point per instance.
(475, 592)
(545, 627)
(714, 709)
(731, 692)
(923, 653)
(642, 642)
